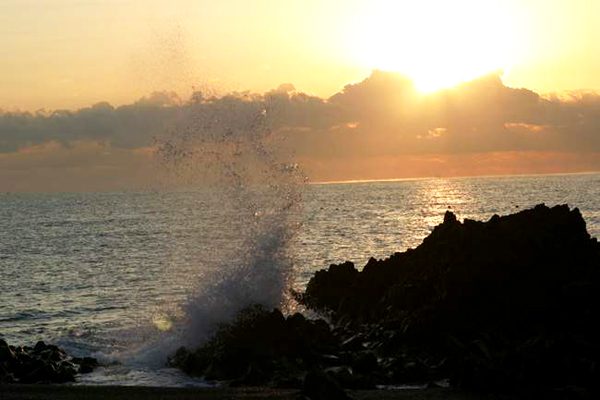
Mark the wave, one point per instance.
(234, 155)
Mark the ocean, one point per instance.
(128, 277)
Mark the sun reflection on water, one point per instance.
(375, 219)
(439, 196)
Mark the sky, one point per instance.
(371, 89)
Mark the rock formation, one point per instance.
(507, 304)
(43, 363)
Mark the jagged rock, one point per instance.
(6, 353)
(507, 304)
(40, 372)
(328, 288)
(259, 340)
(494, 287)
(40, 364)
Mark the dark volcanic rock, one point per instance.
(41, 364)
(328, 288)
(87, 365)
(321, 386)
(512, 301)
(258, 344)
(508, 304)
(535, 252)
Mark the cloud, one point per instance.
(368, 129)
(130, 126)
(483, 115)
(84, 166)
(386, 95)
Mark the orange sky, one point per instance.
(72, 53)
(451, 103)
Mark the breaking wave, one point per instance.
(229, 151)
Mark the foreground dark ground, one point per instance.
(59, 392)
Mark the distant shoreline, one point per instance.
(384, 180)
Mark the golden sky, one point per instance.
(73, 53)
(363, 89)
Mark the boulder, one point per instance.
(87, 365)
(40, 364)
(257, 345)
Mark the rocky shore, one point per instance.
(42, 363)
(500, 309)
(504, 306)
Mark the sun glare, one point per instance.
(436, 43)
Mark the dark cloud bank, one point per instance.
(378, 128)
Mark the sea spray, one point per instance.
(228, 148)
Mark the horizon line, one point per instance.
(383, 180)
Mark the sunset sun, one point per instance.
(437, 44)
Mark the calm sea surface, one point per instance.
(98, 272)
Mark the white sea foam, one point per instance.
(234, 153)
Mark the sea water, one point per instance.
(112, 275)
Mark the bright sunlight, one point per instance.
(437, 43)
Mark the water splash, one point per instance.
(228, 148)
